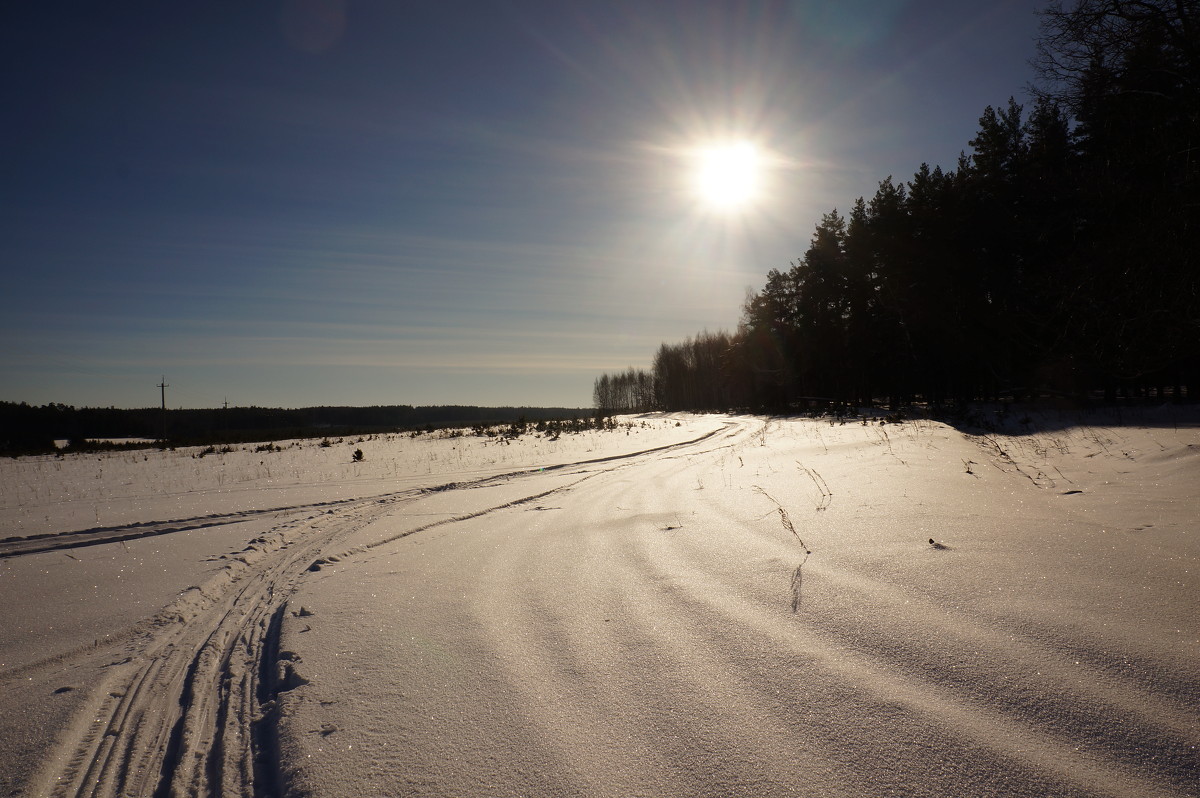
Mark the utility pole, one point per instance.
(163, 387)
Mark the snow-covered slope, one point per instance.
(763, 607)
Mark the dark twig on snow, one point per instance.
(798, 574)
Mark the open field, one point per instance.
(687, 605)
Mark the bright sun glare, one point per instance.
(727, 176)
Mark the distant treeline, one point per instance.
(27, 428)
(1062, 256)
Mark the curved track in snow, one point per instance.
(189, 705)
(662, 629)
(783, 608)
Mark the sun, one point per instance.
(727, 177)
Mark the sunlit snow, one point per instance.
(686, 605)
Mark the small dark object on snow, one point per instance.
(937, 545)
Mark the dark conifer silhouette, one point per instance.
(1057, 257)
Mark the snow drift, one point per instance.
(734, 605)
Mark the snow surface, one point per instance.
(749, 607)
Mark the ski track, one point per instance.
(191, 708)
(178, 714)
(54, 541)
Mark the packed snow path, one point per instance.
(784, 607)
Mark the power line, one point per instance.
(163, 387)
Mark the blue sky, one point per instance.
(316, 202)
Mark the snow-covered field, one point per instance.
(688, 605)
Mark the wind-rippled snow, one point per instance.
(950, 613)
